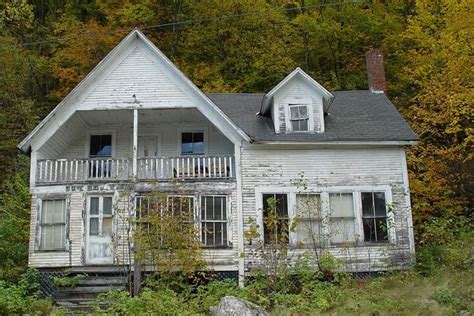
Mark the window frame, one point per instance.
(38, 224)
(299, 120)
(197, 221)
(202, 130)
(226, 221)
(324, 194)
(353, 217)
(100, 214)
(322, 224)
(374, 217)
(259, 192)
(299, 101)
(89, 133)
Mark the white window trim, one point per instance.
(324, 193)
(89, 133)
(38, 223)
(197, 215)
(304, 101)
(203, 129)
(227, 210)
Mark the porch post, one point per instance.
(135, 145)
(137, 267)
(240, 216)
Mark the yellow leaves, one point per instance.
(83, 48)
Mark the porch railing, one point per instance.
(190, 167)
(77, 170)
(120, 169)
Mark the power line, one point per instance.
(187, 22)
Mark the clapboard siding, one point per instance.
(76, 228)
(140, 76)
(326, 168)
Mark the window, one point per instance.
(146, 207)
(100, 146)
(299, 118)
(192, 143)
(275, 218)
(214, 220)
(53, 225)
(308, 209)
(182, 207)
(100, 216)
(374, 216)
(341, 218)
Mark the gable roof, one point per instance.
(66, 108)
(355, 116)
(298, 72)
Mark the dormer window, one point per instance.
(299, 117)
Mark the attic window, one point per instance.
(299, 118)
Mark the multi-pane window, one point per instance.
(182, 207)
(214, 220)
(100, 216)
(374, 216)
(192, 143)
(341, 217)
(53, 225)
(100, 146)
(275, 218)
(299, 118)
(308, 210)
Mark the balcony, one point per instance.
(201, 168)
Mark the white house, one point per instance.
(136, 123)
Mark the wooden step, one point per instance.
(99, 270)
(103, 280)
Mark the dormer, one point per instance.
(297, 104)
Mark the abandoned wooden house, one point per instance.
(136, 124)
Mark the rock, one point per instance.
(230, 306)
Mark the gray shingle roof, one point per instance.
(353, 116)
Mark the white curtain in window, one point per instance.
(53, 224)
(308, 210)
(341, 207)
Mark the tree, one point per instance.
(436, 94)
(248, 53)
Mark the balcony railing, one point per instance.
(121, 169)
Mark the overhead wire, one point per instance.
(177, 23)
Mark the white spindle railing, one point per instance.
(186, 167)
(78, 170)
(153, 168)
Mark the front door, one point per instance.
(147, 148)
(99, 230)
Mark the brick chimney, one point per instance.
(375, 71)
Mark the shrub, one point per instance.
(23, 297)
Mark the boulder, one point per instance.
(230, 306)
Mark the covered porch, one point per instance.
(135, 145)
